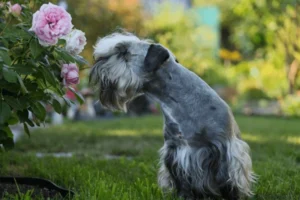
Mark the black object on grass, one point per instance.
(37, 183)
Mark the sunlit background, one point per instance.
(247, 50)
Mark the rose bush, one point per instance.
(38, 63)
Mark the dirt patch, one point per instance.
(7, 189)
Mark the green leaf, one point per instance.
(23, 115)
(65, 56)
(79, 97)
(4, 57)
(61, 42)
(67, 101)
(9, 75)
(39, 111)
(80, 60)
(24, 69)
(35, 48)
(13, 102)
(7, 131)
(48, 75)
(13, 119)
(6, 138)
(26, 129)
(5, 112)
(30, 122)
(56, 105)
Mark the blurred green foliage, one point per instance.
(269, 30)
(176, 28)
(290, 105)
(260, 39)
(98, 18)
(259, 74)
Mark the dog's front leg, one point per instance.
(173, 150)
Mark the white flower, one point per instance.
(75, 41)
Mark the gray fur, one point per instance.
(203, 155)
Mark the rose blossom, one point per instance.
(50, 23)
(15, 9)
(75, 42)
(70, 73)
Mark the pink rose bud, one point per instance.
(16, 10)
(70, 73)
(50, 23)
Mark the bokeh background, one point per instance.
(247, 50)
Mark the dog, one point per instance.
(203, 155)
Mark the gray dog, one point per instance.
(203, 155)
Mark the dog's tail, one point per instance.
(240, 166)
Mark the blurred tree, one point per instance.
(175, 28)
(227, 18)
(268, 29)
(256, 22)
(98, 18)
(130, 12)
(288, 42)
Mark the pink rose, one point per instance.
(50, 23)
(15, 9)
(70, 73)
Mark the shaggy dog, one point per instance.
(203, 154)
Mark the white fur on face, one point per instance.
(116, 71)
(106, 45)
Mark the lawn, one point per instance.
(117, 159)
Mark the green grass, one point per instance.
(275, 145)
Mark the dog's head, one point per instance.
(124, 63)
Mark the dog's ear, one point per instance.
(155, 57)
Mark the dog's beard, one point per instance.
(116, 82)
